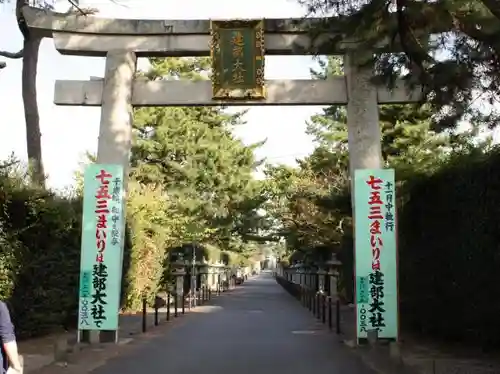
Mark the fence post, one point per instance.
(183, 302)
(156, 312)
(168, 306)
(313, 302)
(176, 304)
(323, 309)
(337, 316)
(329, 312)
(313, 297)
(144, 314)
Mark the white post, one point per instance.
(115, 130)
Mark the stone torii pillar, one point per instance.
(115, 134)
(363, 124)
(115, 130)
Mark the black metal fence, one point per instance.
(323, 306)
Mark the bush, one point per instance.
(40, 255)
(147, 247)
(345, 286)
(40, 240)
(230, 258)
(449, 237)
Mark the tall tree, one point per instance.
(191, 152)
(407, 138)
(311, 203)
(457, 66)
(29, 54)
(300, 199)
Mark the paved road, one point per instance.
(255, 329)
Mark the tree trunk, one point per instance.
(31, 49)
(33, 135)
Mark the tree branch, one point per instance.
(76, 10)
(411, 47)
(460, 22)
(75, 5)
(13, 55)
(493, 6)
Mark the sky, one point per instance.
(69, 132)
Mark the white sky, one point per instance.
(68, 132)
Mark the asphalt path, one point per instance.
(255, 329)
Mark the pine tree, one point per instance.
(311, 203)
(407, 138)
(456, 67)
(192, 153)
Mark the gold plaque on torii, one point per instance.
(237, 51)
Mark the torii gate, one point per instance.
(121, 41)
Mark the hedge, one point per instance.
(449, 248)
(40, 253)
(40, 256)
(145, 252)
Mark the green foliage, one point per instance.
(408, 143)
(230, 258)
(150, 237)
(191, 183)
(448, 244)
(448, 228)
(311, 204)
(299, 198)
(206, 194)
(40, 254)
(192, 153)
(446, 200)
(456, 66)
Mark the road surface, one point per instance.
(256, 329)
